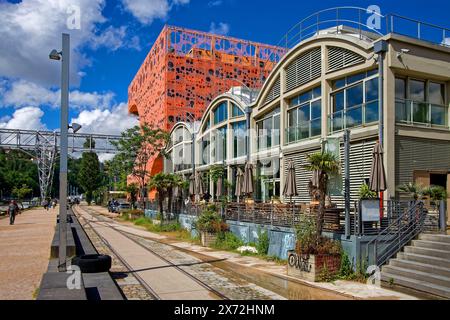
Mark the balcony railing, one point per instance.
(307, 130)
(357, 116)
(421, 113)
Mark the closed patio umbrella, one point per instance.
(377, 181)
(290, 186)
(199, 189)
(239, 183)
(192, 185)
(248, 179)
(219, 191)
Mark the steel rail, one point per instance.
(171, 264)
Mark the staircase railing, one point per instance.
(404, 228)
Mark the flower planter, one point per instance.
(312, 267)
(208, 238)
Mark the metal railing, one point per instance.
(357, 116)
(363, 22)
(421, 113)
(408, 222)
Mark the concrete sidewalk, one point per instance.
(349, 288)
(25, 252)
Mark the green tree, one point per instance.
(436, 194)
(132, 190)
(90, 175)
(137, 147)
(325, 164)
(162, 183)
(22, 192)
(16, 169)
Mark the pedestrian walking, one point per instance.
(54, 203)
(13, 210)
(45, 204)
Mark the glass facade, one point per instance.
(354, 101)
(239, 130)
(221, 113)
(268, 130)
(268, 179)
(420, 102)
(236, 111)
(304, 116)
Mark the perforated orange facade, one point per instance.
(186, 69)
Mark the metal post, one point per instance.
(442, 220)
(63, 152)
(347, 182)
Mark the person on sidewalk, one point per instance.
(45, 204)
(13, 209)
(54, 203)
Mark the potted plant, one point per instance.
(209, 224)
(315, 257)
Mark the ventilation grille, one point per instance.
(305, 68)
(339, 58)
(274, 92)
(360, 165)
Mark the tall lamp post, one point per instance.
(64, 55)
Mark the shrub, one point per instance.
(227, 241)
(210, 221)
(366, 193)
(263, 242)
(143, 221)
(309, 242)
(346, 269)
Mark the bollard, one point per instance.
(442, 216)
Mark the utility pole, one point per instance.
(63, 153)
(347, 182)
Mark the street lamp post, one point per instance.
(64, 142)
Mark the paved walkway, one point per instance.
(323, 290)
(25, 252)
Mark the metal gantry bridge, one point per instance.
(43, 146)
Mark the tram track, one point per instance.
(144, 283)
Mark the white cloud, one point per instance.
(107, 121)
(221, 28)
(22, 93)
(27, 118)
(29, 30)
(115, 38)
(215, 3)
(147, 11)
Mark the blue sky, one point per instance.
(114, 39)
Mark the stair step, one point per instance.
(416, 285)
(418, 275)
(428, 252)
(419, 266)
(431, 245)
(435, 237)
(424, 259)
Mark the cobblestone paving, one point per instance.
(229, 285)
(130, 286)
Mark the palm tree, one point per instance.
(413, 189)
(161, 183)
(325, 164)
(436, 194)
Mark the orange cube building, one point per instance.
(186, 69)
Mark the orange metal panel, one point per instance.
(186, 69)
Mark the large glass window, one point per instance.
(239, 135)
(268, 177)
(355, 101)
(220, 143)
(420, 102)
(304, 116)
(205, 155)
(221, 113)
(268, 130)
(236, 111)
